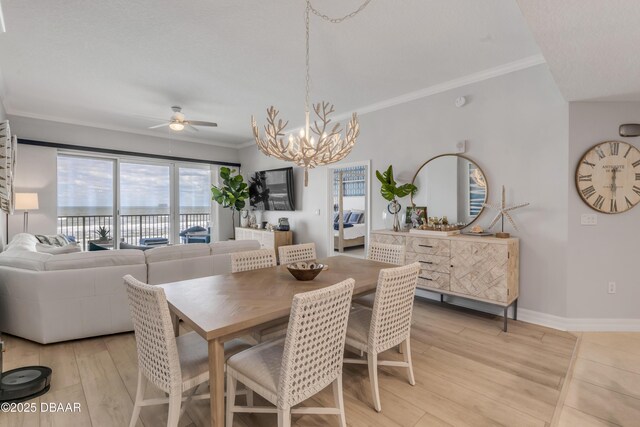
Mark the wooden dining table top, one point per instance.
(227, 304)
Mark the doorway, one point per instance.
(349, 207)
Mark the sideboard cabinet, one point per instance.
(268, 239)
(473, 267)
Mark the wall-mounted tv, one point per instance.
(272, 190)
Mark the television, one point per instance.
(272, 190)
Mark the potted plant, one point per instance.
(391, 191)
(231, 194)
(103, 234)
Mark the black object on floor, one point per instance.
(18, 385)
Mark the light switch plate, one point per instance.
(589, 219)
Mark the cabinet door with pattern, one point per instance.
(480, 270)
(389, 239)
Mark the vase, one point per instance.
(394, 208)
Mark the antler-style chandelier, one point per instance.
(327, 145)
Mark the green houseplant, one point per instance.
(231, 194)
(391, 191)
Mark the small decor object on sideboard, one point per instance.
(283, 224)
(416, 216)
(608, 177)
(391, 191)
(503, 211)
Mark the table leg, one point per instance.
(216, 382)
(175, 320)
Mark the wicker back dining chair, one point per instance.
(159, 351)
(287, 372)
(387, 325)
(294, 253)
(252, 260)
(381, 252)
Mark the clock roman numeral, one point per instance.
(587, 178)
(638, 177)
(636, 163)
(629, 204)
(614, 146)
(628, 151)
(636, 190)
(588, 192)
(590, 164)
(600, 152)
(614, 206)
(598, 203)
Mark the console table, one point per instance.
(478, 268)
(268, 239)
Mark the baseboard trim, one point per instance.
(578, 324)
(543, 319)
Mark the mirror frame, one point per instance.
(486, 198)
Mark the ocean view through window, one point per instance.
(153, 202)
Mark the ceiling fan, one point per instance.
(178, 121)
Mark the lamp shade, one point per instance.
(26, 201)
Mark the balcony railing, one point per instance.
(132, 227)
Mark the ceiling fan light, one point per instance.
(176, 126)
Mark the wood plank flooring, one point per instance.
(604, 387)
(468, 373)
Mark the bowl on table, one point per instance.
(305, 270)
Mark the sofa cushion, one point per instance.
(231, 246)
(57, 250)
(28, 260)
(22, 242)
(168, 253)
(81, 260)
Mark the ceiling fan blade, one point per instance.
(199, 123)
(188, 126)
(159, 126)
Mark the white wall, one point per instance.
(517, 128)
(608, 252)
(37, 166)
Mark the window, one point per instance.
(150, 200)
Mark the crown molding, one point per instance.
(17, 113)
(501, 70)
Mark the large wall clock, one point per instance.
(608, 177)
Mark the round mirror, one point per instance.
(451, 186)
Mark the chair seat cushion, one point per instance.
(259, 368)
(194, 357)
(358, 328)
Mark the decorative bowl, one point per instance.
(305, 271)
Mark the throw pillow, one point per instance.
(355, 217)
(94, 247)
(57, 250)
(125, 245)
(53, 240)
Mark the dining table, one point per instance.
(227, 306)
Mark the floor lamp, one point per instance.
(26, 202)
(28, 382)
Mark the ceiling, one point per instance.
(591, 46)
(121, 64)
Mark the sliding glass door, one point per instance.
(86, 199)
(133, 201)
(194, 197)
(145, 203)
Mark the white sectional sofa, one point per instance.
(49, 298)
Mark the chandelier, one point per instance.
(317, 144)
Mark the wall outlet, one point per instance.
(611, 288)
(318, 212)
(589, 219)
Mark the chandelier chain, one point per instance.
(338, 20)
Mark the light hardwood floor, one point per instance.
(604, 385)
(468, 373)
